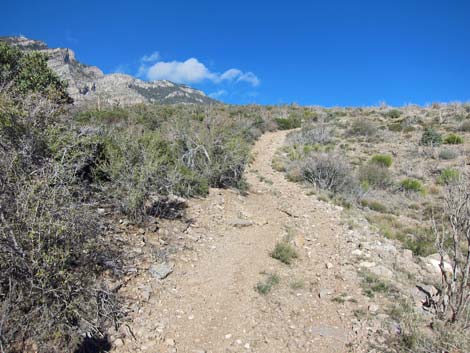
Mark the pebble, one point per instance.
(118, 343)
(228, 336)
(170, 342)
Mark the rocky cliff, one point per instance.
(89, 85)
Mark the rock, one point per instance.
(329, 265)
(247, 346)
(323, 293)
(373, 308)
(357, 252)
(161, 271)
(299, 240)
(170, 342)
(433, 263)
(407, 254)
(240, 223)
(382, 272)
(145, 293)
(366, 264)
(118, 343)
(101, 211)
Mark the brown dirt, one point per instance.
(209, 302)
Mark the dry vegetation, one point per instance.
(60, 265)
(60, 270)
(406, 171)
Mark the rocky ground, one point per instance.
(193, 289)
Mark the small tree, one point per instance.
(453, 243)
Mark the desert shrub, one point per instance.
(448, 154)
(362, 127)
(453, 242)
(395, 127)
(375, 175)
(265, 287)
(383, 160)
(412, 185)
(430, 138)
(182, 157)
(284, 252)
(412, 337)
(374, 206)
(312, 135)
(448, 176)
(291, 122)
(465, 126)
(393, 114)
(453, 139)
(52, 254)
(329, 172)
(49, 263)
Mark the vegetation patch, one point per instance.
(453, 139)
(284, 252)
(264, 287)
(383, 160)
(412, 185)
(431, 137)
(448, 176)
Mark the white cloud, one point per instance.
(249, 77)
(190, 71)
(218, 94)
(155, 56)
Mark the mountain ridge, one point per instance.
(88, 85)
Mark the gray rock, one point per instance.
(324, 292)
(161, 271)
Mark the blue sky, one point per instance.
(332, 53)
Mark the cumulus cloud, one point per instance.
(190, 71)
(218, 94)
(155, 56)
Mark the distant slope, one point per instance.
(88, 84)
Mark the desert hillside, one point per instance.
(155, 219)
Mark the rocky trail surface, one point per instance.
(205, 299)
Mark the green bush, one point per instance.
(284, 252)
(362, 127)
(375, 175)
(430, 138)
(383, 160)
(448, 176)
(292, 122)
(27, 73)
(266, 286)
(412, 185)
(374, 206)
(453, 139)
(393, 114)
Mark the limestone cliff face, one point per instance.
(89, 85)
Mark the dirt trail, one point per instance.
(209, 303)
